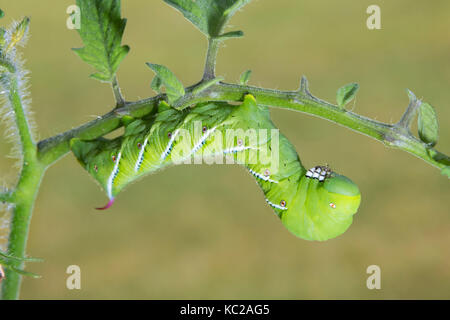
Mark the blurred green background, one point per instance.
(206, 231)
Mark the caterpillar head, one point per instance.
(324, 207)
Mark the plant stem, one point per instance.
(391, 135)
(211, 56)
(24, 195)
(26, 138)
(120, 101)
(394, 136)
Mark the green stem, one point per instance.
(26, 138)
(24, 195)
(391, 135)
(120, 101)
(211, 56)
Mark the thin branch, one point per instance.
(23, 128)
(120, 101)
(211, 57)
(53, 148)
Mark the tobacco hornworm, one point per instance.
(315, 204)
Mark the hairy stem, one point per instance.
(51, 149)
(211, 56)
(120, 101)
(26, 138)
(23, 196)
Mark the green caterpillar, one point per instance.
(315, 204)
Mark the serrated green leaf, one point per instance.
(428, 126)
(346, 94)
(209, 16)
(446, 171)
(174, 87)
(245, 77)
(156, 84)
(101, 31)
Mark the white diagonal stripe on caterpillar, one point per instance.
(140, 159)
(202, 141)
(276, 206)
(113, 175)
(169, 147)
(260, 176)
